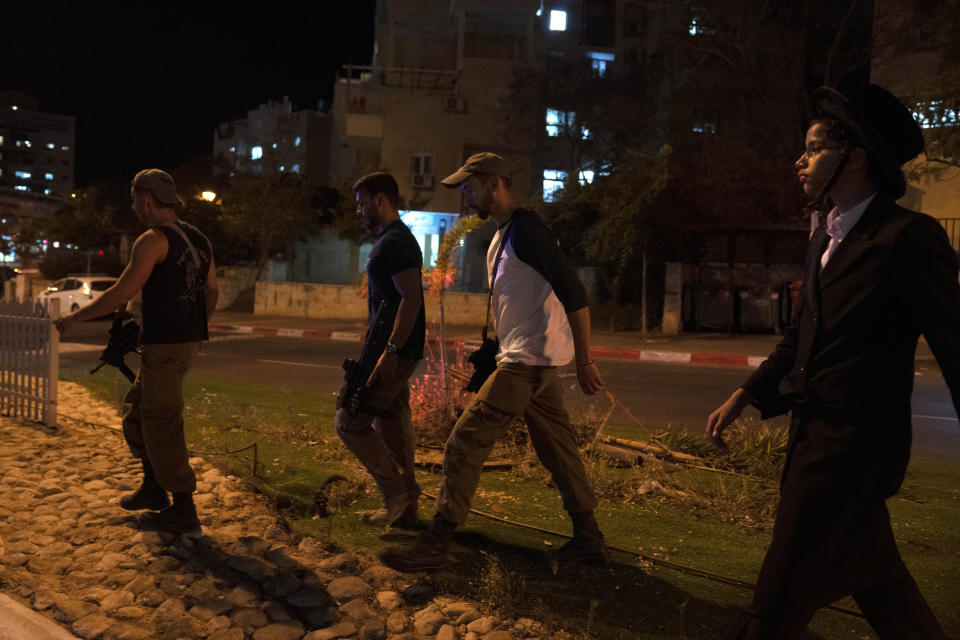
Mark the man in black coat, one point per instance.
(877, 276)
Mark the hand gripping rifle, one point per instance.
(124, 338)
(357, 372)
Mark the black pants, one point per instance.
(832, 538)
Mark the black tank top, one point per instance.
(174, 305)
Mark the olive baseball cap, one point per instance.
(159, 183)
(483, 162)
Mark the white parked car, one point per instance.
(77, 291)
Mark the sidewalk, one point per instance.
(724, 349)
(69, 552)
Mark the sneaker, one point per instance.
(148, 496)
(578, 551)
(177, 519)
(426, 553)
(409, 519)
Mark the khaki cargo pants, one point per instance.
(153, 425)
(512, 391)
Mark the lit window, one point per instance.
(27, 144)
(1, 140)
(295, 168)
(25, 175)
(64, 148)
(692, 29)
(48, 176)
(256, 152)
(599, 61)
(47, 192)
(14, 107)
(558, 20)
(282, 168)
(553, 180)
(56, 244)
(296, 142)
(50, 145)
(586, 134)
(558, 121)
(21, 187)
(233, 149)
(932, 115)
(274, 145)
(705, 127)
(586, 176)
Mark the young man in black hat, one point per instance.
(172, 262)
(876, 277)
(385, 444)
(542, 320)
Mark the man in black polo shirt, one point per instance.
(385, 445)
(172, 262)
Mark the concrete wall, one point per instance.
(306, 300)
(232, 281)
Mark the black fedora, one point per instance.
(883, 126)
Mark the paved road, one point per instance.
(656, 394)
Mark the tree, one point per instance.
(269, 211)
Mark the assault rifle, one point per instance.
(124, 338)
(357, 372)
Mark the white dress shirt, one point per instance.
(839, 224)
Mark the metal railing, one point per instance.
(29, 366)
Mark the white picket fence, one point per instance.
(29, 349)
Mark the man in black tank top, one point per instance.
(172, 263)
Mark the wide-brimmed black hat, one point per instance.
(884, 127)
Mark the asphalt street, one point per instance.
(652, 394)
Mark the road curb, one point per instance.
(18, 622)
(643, 355)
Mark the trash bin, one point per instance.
(758, 309)
(714, 309)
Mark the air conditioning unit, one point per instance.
(454, 104)
(421, 181)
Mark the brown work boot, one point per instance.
(400, 511)
(150, 495)
(586, 547)
(426, 553)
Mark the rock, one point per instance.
(163, 564)
(418, 593)
(43, 599)
(233, 633)
(127, 631)
(116, 600)
(92, 625)
(497, 635)
(283, 558)
(358, 610)
(281, 585)
(49, 565)
(348, 588)
(447, 632)
(169, 611)
(379, 575)
(427, 622)
(140, 584)
(308, 599)
(185, 626)
(130, 613)
(244, 594)
(255, 569)
(373, 629)
(396, 622)
(219, 623)
(67, 609)
(321, 617)
(210, 609)
(280, 631)
(483, 625)
(342, 630)
(389, 600)
(346, 562)
(151, 597)
(249, 619)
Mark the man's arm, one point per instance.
(588, 375)
(149, 249)
(210, 289)
(408, 284)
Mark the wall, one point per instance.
(306, 300)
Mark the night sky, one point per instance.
(149, 82)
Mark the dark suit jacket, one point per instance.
(847, 360)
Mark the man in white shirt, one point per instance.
(543, 322)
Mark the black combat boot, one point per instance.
(180, 517)
(150, 495)
(586, 546)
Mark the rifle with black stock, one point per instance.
(357, 372)
(124, 338)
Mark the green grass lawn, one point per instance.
(504, 567)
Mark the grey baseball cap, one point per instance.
(159, 183)
(483, 162)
